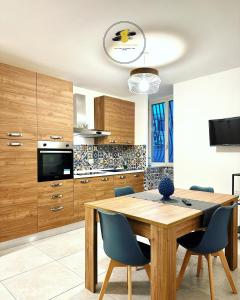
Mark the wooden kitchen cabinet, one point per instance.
(55, 204)
(18, 194)
(54, 109)
(118, 117)
(18, 103)
(135, 180)
(84, 191)
(104, 186)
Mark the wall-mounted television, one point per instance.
(224, 131)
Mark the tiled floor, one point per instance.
(53, 268)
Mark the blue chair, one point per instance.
(210, 242)
(202, 189)
(121, 246)
(123, 191)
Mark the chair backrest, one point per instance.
(208, 189)
(119, 242)
(216, 236)
(123, 191)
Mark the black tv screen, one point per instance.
(224, 131)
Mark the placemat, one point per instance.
(207, 207)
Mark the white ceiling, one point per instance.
(64, 37)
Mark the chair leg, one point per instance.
(106, 279)
(199, 266)
(210, 272)
(148, 271)
(129, 283)
(227, 271)
(183, 268)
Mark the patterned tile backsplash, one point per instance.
(153, 175)
(108, 156)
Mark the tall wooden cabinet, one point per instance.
(117, 116)
(18, 103)
(54, 108)
(18, 151)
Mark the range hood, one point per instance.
(84, 118)
(90, 133)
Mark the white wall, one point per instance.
(197, 101)
(141, 115)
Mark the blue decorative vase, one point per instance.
(166, 188)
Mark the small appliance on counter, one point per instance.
(55, 160)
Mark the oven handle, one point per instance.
(55, 151)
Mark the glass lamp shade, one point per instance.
(144, 81)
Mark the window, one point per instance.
(161, 132)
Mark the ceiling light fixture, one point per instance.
(144, 81)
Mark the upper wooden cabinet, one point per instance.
(54, 109)
(117, 116)
(18, 103)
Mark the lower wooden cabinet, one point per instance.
(102, 187)
(55, 204)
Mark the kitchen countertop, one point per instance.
(107, 173)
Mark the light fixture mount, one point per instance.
(144, 81)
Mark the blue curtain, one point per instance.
(158, 132)
(170, 131)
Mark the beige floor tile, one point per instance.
(80, 293)
(20, 260)
(42, 283)
(4, 294)
(63, 244)
(76, 263)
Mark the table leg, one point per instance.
(231, 250)
(163, 263)
(90, 249)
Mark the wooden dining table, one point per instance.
(162, 224)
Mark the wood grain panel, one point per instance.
(18, 103)
(84, 191)
(136, 180)
(117, 116)
(54, 108)
(54, 192)
(17, 221)
(47, 218)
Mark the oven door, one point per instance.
(55, 164)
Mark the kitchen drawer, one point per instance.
(51, 216)
(17, 221)
(121, 180)
(53, 192)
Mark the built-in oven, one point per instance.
(55, 160)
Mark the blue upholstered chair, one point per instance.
(121, 246)
(202, 189)
(123, 191)
(210, 242)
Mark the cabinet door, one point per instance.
(18, 194)
(136, 180)
(116, 116)
(18, 103)
(54, 108)
(84, 191)
(104, 186)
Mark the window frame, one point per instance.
(166, 100)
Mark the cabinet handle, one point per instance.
(84, 181)
(105, 179)
(15, 144)
(136, 175)
(113, 141)
(56, 184)
(15, 134)
(122, 177)
(56, 137)
(56, 196)
(54, 209)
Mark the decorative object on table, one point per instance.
(166, 188)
